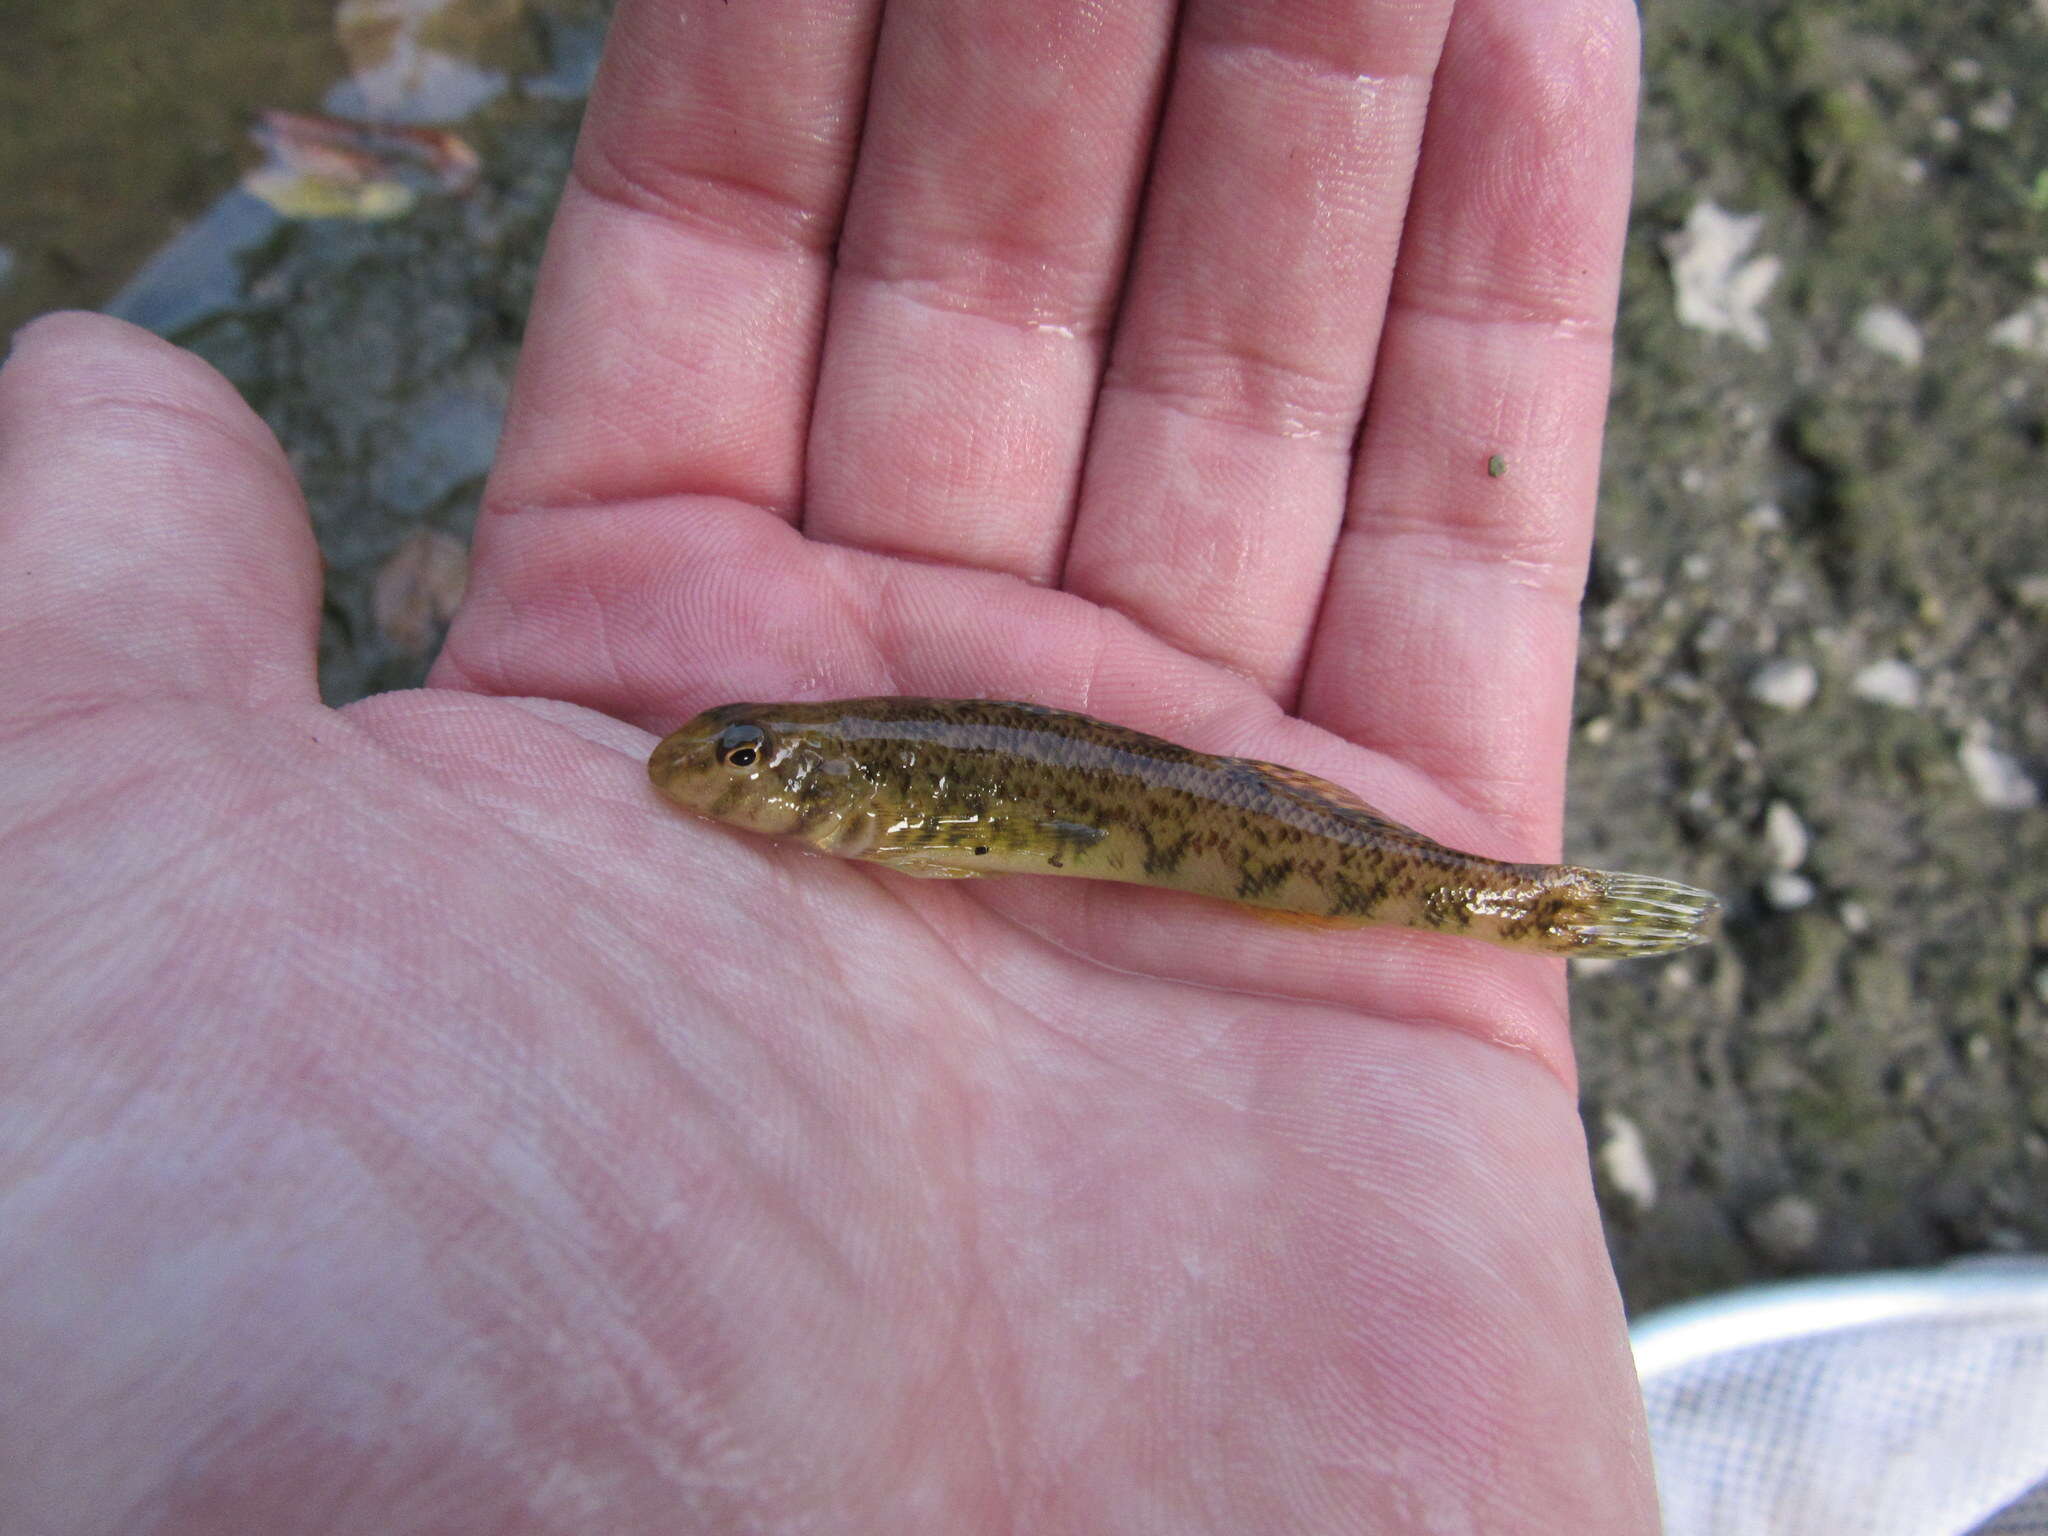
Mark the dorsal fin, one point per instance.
(1319, 794)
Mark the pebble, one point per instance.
(1996, 776)
(2025, 329)
(1855, 917)
(1786, 685)
(1624, 1162)
(1785, 834)
(1788, 891)
(2032, 590)
(1786, 1229)
(1890, 333)
(1994, 113)
(1888, 682)
(1714, 633)
(2041, 984)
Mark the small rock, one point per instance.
(2041, 984)
(1786, 685)
(1996, 776)
(1697, 566)
(1714, 633)
(1624, 1162)
(1785, 835)
(1944, 131)
(1764, 517)
(1855, 917)
(1994, 113)
(1597, 731)
(1888, 682)
(2025, 329)
(1595, 965)
(1718, 290)
(1786, 1229)
(2032, 590)
(1964, 71)
(1890, 333)
(1788, 891)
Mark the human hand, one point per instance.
(412, 1122)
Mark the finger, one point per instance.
(1448, 632)
(152, 540)
(675, 331)
(1215, 481)
(984, 244)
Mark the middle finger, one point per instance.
(984, 241)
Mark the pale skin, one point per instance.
(408, 1121)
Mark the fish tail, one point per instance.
(1627, 915)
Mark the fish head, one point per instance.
(760, 767)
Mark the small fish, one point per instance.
(953, 788)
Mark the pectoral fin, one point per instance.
(1006, 847)
(928, 863)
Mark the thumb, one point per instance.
(152, 540)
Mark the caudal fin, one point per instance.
(1632, 915)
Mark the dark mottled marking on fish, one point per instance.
(964, 787)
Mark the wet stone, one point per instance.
(1624, 1162)
(1786, 1229)
(1786, 685)
(1887, 682)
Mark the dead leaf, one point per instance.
(418, 589)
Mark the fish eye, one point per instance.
(741, 746)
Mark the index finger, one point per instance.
(676, 329)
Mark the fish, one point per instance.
(960, 788)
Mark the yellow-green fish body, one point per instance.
(953, 788)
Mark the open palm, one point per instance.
(411, 1122)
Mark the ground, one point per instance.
(1815, 632)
